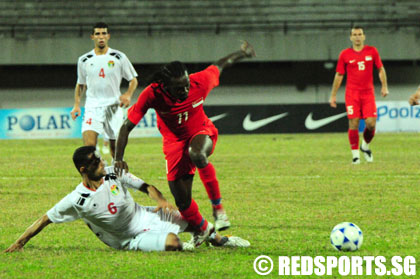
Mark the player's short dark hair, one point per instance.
(169, 71)
(356, 27)
(100, 25)
(81, 156)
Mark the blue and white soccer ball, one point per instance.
(346, 236)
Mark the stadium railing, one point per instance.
(75, 18)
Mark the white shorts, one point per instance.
(105, 121)
(161, 224)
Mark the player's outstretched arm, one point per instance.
(119, 164)
(157, 196)
(30, 232)
(246, 51)
(338, 79)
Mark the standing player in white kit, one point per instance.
(104, 203)
(100, 71)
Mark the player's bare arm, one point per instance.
(78, 92)
(383, 79)
(119, 164)
(338, 79)
(157, 196)
(125, 99)
(414, 99)
(246, 51)
(30, 232)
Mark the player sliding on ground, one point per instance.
(103, 202)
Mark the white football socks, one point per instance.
(365, 145)
(355, 153)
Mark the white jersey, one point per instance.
(103, 74)
(110, 211)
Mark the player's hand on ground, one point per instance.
(248, 49)
(413, 100)
(165, 206)
(14, 247)
(75, 112)
(384, 92)
(125, 101)
(333, 101)
(119, 167)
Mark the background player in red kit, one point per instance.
(358, 62)
(189, 137)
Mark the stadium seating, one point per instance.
(61, 18)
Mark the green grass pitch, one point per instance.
(284, 193)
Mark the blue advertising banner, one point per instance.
(397, 117)
(56, 123)
(38, 123)
(43, 123)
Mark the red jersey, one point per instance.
(359, 67)
(178, 121)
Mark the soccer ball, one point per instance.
(346, 236)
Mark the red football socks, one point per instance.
(354, 139)
(208, 177)
(193, 216)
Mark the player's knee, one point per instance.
(89, 141)
(370, 126)
(198, 158)
(173, 243)
(354, 124)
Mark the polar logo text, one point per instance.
(39, 122)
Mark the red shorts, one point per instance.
(178, 161)
(360, 103)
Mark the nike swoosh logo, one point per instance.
(311, 124)
(217, 117)
(250, 125)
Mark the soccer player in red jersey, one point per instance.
(358, 62)
(189, 137)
